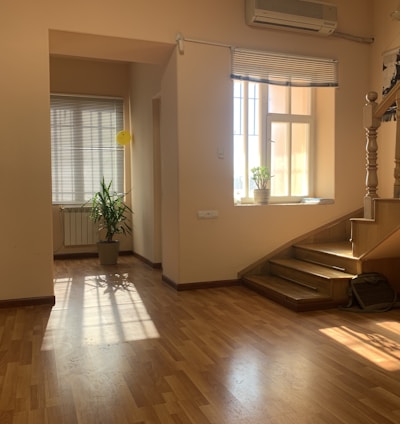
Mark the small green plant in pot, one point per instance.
(110, 213)
(261, 177)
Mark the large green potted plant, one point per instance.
(261, 176)
(110, 213)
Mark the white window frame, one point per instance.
(268, 118)
(264, 143)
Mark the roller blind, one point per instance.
(83, 146)
(280, 69)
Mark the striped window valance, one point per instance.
(283, 69)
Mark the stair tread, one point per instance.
(311, 268)
(286, 288)
(343, 248)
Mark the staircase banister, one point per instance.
(387, 101)
(372, 116)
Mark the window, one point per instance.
(273, 127)
(83, 146)
(275, 113)
(247, 145)
(289, 136)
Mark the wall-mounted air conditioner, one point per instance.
(293, 15)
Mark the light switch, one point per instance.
(207, 214)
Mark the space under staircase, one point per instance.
(313, 272)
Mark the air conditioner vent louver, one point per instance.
(292, 15)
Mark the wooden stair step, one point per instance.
(338, 255)
(343, 248)
(297, 268)
(328, 281)
(288, 294)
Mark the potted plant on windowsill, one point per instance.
(109, 211)
(261, 177)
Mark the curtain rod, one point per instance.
(356, 38)
(180, 41)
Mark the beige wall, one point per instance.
(196, 120)
(146, 190)
(217, 249)
(170, 219)
(25, 212)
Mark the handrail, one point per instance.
(387, 101)
(373, 113)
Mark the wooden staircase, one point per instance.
(315, 277)
(314, 271)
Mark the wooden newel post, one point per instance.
(371, 125)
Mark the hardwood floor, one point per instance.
(122, 347)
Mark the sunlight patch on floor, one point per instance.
(393, 326)
(377, 348)
(107, 309)
(63, 294)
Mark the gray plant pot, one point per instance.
(108, 252)
(261, 196)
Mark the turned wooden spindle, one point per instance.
(371, 125)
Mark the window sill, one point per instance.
(303, 202)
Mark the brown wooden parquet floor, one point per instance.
(122, 347)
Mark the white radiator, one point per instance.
(79, 230)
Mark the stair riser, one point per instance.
(350, 266)
(320, 283)
(369, 233)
